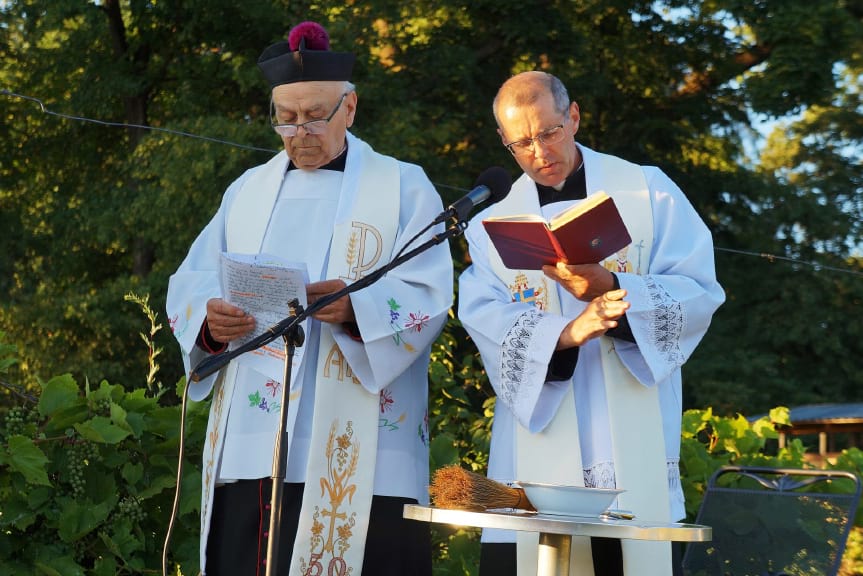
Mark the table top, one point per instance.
(596, 526)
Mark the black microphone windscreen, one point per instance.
(497, 180)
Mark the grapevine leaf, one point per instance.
(25, 457)
(132, 472)
(121, 542)
(61, 566)
(105, 566)
(100, 429)
(17, 514)
(77, 520)
(57, 393)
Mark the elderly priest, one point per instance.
(357, 419)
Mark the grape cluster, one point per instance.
(18, 418)
(101, 407)
(80, 453)
(130, 507)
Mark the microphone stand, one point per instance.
(293, 337)
(286, 329)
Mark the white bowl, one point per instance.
(565, 500)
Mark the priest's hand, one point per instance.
(338, 312)
(595, 320)
(584, 281)
(226, 322)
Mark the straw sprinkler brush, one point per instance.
(455, 487)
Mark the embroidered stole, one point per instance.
(633, 409)
(343, 449)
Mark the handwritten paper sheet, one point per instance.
(262, 285)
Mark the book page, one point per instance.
(515, 218)
(262, 285)
(577, 210)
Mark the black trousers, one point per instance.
(237, 542)
(499, 559)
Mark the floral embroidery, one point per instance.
(173, 322)
(274, 387)
(386, 399)
(416, 322)
(256, 400)
(332, 528)
(387, 402)
(391, 425)
(423, 430)
(397, 330)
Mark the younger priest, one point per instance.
(587, 370)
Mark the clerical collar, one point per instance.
(337, 164)
(574, 188)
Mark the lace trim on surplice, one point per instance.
(514, 362)
(601, 475)
(666, 322)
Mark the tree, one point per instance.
(668, 83)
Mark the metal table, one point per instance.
(556, 532)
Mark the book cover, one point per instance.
(585, 233)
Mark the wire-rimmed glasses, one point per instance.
(314, 127)
(525, 146)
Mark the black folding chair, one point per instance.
(774, 522)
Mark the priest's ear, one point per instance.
(574, 115)
(350, 105)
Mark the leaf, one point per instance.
(121, 542)
(27, 459)
(78, 520)
(443, 450)
(61, 566)
(100, 429)
(57, 393)
(132, 473)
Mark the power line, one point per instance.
(124, 125)
(766, 256)
(772, 257)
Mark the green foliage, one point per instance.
(709, 442)
(87, 479)
(461, 406)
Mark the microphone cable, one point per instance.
(176, 505)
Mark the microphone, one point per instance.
(494, 184)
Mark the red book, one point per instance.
(585, 233)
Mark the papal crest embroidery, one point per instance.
(522, 292)
(363, 250)
(332, 527)
(620, 261)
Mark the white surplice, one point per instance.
(399, 317)
(672, 303)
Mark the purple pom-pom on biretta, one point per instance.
(315, 35)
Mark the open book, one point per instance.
(585, 233)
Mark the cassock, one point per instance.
(398, 318)
(673, 294)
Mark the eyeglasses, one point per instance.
(314, 127)
(526, 146)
